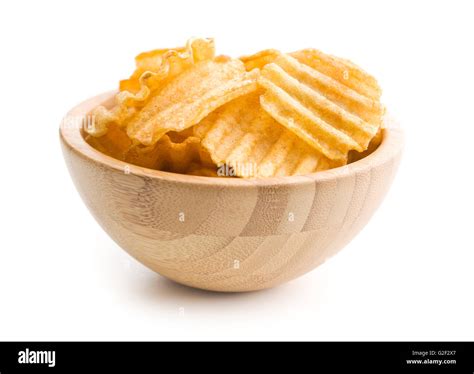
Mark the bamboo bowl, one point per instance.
(228, 234)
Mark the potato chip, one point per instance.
(242, 136)
(190, 97)
(124, 108)
(169, 62)
(373, 145)
(341, 70)
(115, 143)
(343, 88)
(180, 155)
(147, 61)
(267, 114)
(320, 109)
(152, 157)
(259, 59)
(166, 155)
(154, 70)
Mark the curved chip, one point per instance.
(309, 93)
(245, 141)
(115, 143)
(260, 59)
(175, 155)
(166, 154)
(169, 62)
(373, 145)
(267, 114)
(190, 97)
(154, 70)
(341, 70)
(125, 106)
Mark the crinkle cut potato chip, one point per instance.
(184, 110)
(154, 70)
(260, 59)
(244, 137)
(115, 143)
(168, 155)
(176, 155)
(341, 70)
(373, 145)
(169, 62)
(331, 113)
(190, 97)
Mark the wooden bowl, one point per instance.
(228, 234)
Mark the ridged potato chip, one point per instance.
(260, 59)
(126, 105)
(190, 97)
(153, 157)
(115, 143)
(166, 155)
(341, 70)
(154, 70)
(267, 114)
(176, 155)
(167, 63)
(332, 111)
(373, 145)
(243, 137)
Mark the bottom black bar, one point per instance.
(379, 357)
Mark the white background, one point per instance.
(408, 275)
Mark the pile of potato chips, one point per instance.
(188, 111)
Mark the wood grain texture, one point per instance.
(228, 234)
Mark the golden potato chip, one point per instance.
(205, 157)
(184, 110)
(154, 70)
(320, 109)
(152, 157)
(244, 140)
(341, 70)
(358, 99)
(166, 155)
(115, 143)
(190, 97)
(124, 108)
(259, 59)
(169, 62)
(373, 145)
(180, 155)
(147, 61)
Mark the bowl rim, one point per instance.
(71, 136)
